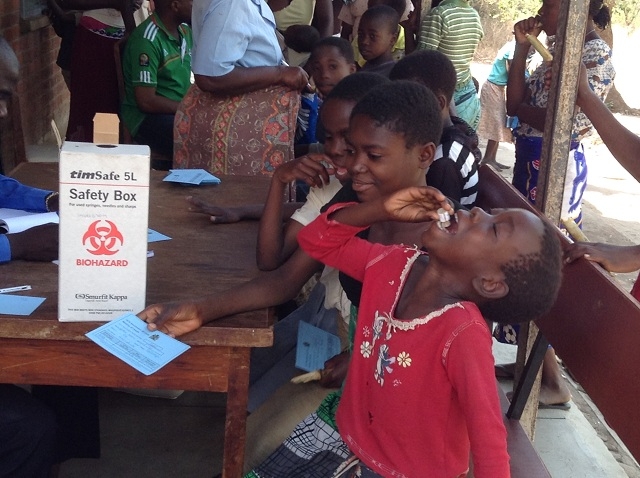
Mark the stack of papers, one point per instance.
(15, 220)
(191, 176)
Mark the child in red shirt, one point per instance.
(420, 391)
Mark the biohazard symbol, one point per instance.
(101, 238)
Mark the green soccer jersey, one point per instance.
(154, 58)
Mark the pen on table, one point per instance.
(15, 289)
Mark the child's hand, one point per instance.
(612, 258)
(313, 168)
(416, 204)
(335, 370)
(173, 318)
(218, 215)
(411, 24)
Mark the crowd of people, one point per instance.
(379, 140)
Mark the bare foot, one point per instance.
(553, 387)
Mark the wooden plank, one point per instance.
(86, 364)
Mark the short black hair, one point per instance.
(404, 107)
(355, 87)
(301, 38)
(533, 280)
(341, 44)
(431, 68)
(384, 13)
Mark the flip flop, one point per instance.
(554, 406)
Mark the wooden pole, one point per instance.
(555, 148)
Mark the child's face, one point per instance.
(380, 162)
(328, 67)
(334, 117)
(375, 39)
(480, 243)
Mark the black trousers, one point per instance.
(27, 435)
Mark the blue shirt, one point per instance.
(15, 195)
(230, 33)
(499, 71)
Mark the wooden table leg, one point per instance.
(235, 427)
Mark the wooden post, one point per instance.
(556, 143)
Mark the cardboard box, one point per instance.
(106, 128)
(104, 210)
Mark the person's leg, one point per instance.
(77, 413)
(27, 435)
(553, 389)
(156, 131)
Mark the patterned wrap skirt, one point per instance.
(247, 134)
(494, 114)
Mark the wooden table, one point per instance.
(201, 258)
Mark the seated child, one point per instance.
(423, 313)
(330, 61)
(455, 168)
(277, 243)
(377, 33)
(612, 258)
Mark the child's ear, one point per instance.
(442, 102)
(490, 287)
(427, 153)
(353, 68)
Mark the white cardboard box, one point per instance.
(104, 215)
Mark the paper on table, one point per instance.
(15, 220)
(128, 338)
(191, 176)
(155, 236)
(315, 347)
(19, 304)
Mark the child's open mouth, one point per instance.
(447, 223)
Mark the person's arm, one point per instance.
(39, 243)
(612, 258)
(323, 18)
(623, 144)
(517, 89)
(267, 290)
(244, 80)
(411, 29)
(150, 102)
(275, 245)
(143, 76)
(332, 240)
(229, 214)
(15, 195)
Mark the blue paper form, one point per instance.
(19, 304)
(315, 347)
(191, 176)
(128, 338)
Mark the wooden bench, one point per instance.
(594, 327)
